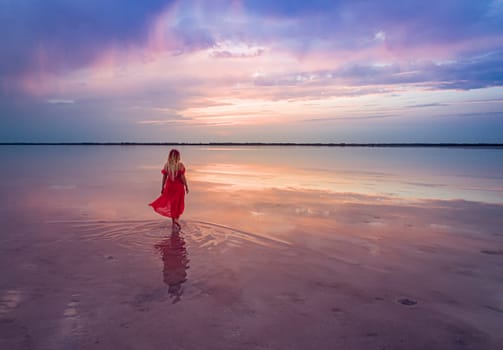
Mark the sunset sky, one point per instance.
(244, 71)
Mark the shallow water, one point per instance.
(329, 247)
(115, 181)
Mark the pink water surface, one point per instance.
(280, 248)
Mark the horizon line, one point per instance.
(319, 144)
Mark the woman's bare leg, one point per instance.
(175, 226)
(177, 223)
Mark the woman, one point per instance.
(174, 186)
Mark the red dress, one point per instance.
(171, 202)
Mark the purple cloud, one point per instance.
(66, 34)
(58, 35)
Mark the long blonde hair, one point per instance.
(173, 165)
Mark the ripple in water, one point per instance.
(143, 234)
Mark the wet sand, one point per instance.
(86, 264)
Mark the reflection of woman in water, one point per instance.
(176, 263)
(171, 202)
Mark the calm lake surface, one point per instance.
(280, 248)
(117, 181)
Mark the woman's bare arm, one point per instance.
(184, 180)
(164, 176)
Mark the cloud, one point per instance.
(496, 114)
(464, 73)
(472, 72)
(288, 8)
(426, 105)
(60, 101)
(164, 117)
(352, 118)
(53, 35)
(380, 36)
(192, 35)
(231, 54)
(405, 23)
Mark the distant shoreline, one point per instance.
(342, 144)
